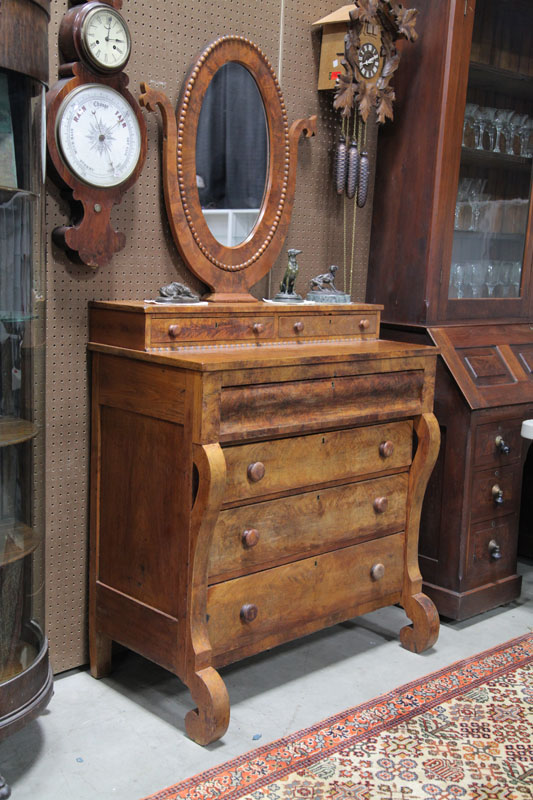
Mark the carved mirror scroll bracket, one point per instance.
(229, 271)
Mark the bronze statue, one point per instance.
(326, 281)
(177, 292)
(286, 292)
(323, 289)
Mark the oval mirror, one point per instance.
(231, 154)
(256, 112)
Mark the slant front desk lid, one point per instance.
(492, 364)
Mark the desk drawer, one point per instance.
(498, 443)
(484, 492)
(284, 465)
(204, 328)
(303, 326)
(322, 590)
(252, 537)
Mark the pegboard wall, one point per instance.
(167, 36)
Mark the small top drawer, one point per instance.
(311, 325)
(206, 328)
(498, 443)
(284, 465)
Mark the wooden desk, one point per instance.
(257, 474)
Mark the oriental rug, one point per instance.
(462, 733)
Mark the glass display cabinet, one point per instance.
(25, 676)
(451, 259)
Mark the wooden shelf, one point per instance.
(489, 159)
(460, 233)
(14, 430)
(17, 541)
(495, 79)
(8, 192)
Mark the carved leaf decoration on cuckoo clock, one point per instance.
(406, 23)
(367, 96)
(364, 10)
(384, 104)
(345, 92)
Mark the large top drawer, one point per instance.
(283, 465)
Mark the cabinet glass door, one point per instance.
(22, 321)
(491, 255)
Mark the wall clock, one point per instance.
(96, 134)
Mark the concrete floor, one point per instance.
(123, 737)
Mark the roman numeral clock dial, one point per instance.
(96, 134)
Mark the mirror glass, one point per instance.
(232, 154)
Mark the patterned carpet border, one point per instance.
(264, 765)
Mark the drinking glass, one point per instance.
(500, 118)
(474, 197)
(515, 275)
(492, 277)
(470, 111)
(457, 281)
(510, 130)
(462, 194)
(524, 133)
(477, 277)
(480, 122)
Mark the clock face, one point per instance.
(98, 135)
(368, 60)
(105, 39)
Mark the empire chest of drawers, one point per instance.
(257, 474)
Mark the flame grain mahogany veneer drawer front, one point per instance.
(251, 537)
(324, 589)
(495, 492)
(305, 325)
(282, 465)
(336, 400)
(498, 443)
(205, 328)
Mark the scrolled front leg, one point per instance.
(424, 631)
(210, 720)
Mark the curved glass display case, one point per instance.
(25, 675)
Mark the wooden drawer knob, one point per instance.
(248, 612)
(364, 324)
(250, 538)
(298, 327)
(380, 505)
(173, 331)
(386, 449)
(258, 327)
(256, 471)
(377, 572)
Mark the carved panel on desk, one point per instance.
(315, 459)
(326, 402)
(524, 353)
(486, 365)
(135, 499)
(317, 591)
(311, 522)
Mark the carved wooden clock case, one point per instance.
(96, 132)
(257, 468)
(451, 259)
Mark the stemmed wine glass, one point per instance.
(524, 132)
(481, 119)
(462, 194)
(470, 111)
(510, 131)
(515, 275)
(492, 278)
(477, 277)
(457, 281)
(500, 118)
(491, 127)
(474, 197)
